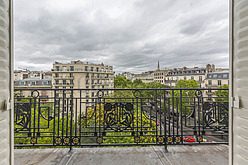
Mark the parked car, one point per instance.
(189, 139)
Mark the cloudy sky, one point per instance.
(131, 35)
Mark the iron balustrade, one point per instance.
(119, 117)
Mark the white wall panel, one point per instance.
(239, 53)
(5, 84)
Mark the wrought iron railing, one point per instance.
(111, 117)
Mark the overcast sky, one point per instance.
(131, 35)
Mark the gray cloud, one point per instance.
(130, 35)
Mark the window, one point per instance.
(92, 94)
(215, 76)
(92, 81)
(209, 82)
(71, 74)
(225, 75)
(57, 68)
(192, 77)
(22, 83)
(32, 83)
(92, 75)
(44, 82)
(87, 82)
(64, 68)
(219, 82)
(87, 74)
(57, 82)
(64, 82)
(71, 81)
(185, 78)
(86, 68)
(92, 69)
(56, 75)
(200, 78)
(97, 69)
(71, 68)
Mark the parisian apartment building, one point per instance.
(71, 75)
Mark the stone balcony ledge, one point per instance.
(178, 155)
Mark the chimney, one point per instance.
(41, 75)
(213, 67)
(208, 68)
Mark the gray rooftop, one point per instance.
(178, 155)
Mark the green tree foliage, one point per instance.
(223, 95)
(122, 82)
(97, 116)
(185, 96)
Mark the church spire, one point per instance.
(158, 64)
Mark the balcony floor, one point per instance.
(178, 155)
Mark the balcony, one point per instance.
(63, 77)
(62, 84)
(166, 117)
(81, 70)
(176, 155)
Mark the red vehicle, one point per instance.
(189, 139)
(156, 122)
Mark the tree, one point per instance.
(223, 95)
(122, 82)
(184, 95)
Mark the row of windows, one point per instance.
(98, 87)
(161, 81)
(98, 81)
(86, 68)
(64, 82)
(187, 72)
(185, 78)
(217, 75)
(219, 82)
(35, 83)
(156, 74)
(158, 77)
(99, 75)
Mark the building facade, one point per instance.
(89, 78)
(177, 74)
(215, 80)
(197, 74)
(146, 77)
(77, 74)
